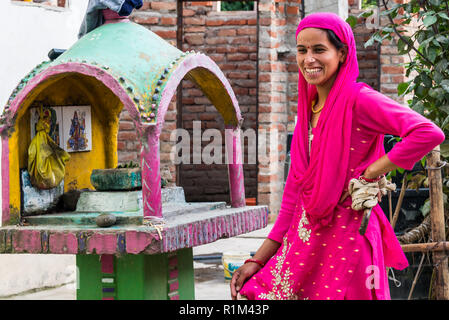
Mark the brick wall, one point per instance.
(368, 58)
(230, 39)
(392, 69)
(278, 76)
(159, 17)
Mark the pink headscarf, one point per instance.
(322, 181)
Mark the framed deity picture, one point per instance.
(51, 115)
(77, 128)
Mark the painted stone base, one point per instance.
(167, 276)
(37, 201)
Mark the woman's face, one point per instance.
(318, 59)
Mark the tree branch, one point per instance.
(409, 43)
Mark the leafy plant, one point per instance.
(421, 31)
(237, 5)
(128, 165)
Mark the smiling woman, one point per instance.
(316, 249)
(319, 56)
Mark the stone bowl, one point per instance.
(117, 179)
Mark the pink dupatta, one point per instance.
(322, 178)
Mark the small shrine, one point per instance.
(132, 239)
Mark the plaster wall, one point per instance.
(28, 33)
(339, 7)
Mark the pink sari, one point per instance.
(322, 253)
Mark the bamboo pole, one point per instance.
(424, 247)
(438, 223)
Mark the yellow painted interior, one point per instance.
(69, 89)
(214, 90)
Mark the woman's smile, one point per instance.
(317, 58)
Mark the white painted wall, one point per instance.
(339, 7)
(27, 33)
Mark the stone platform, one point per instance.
(185, 225)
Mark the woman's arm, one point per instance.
(241, 275)
(381, 166)
(288, 204)
(378, 113)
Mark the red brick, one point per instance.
(292, 10)
(240, 40)
(216, 40)
(121, 145)
(168, 21)
(226, 49)
(194, 39)
(237, 22)
(201, 3)
(246, 31)
(265, 21)
(237, 57)
(195, 20)
(195, 29)
(237, 75)
(226, 33)
(214, 22)
(247, 49)
(166, 34)
(145, 6)
(393, 69)
(249, 66)
(126, 125)
(163, 5)
(127, 135)
(140, 19)
(227, 66)
(188, 12)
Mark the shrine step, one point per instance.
(87, 219)
(106, 201)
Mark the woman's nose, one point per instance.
(309, 58)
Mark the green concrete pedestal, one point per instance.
(167, 276)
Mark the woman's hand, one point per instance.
(241, 275)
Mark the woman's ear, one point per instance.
(343, 54)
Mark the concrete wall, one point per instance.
(29, 32)
(339, 7)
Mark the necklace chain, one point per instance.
(319, 109)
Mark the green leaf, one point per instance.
(423, 162)
(445, 85)
(425, 209)
(445, 123)
(429, 20)
(433, 52)
(444, 149)
(426, 80)
(442, 39)
(352, 21)
(402, 88)
(365, 14)
(435, 2)
(370, 42)
(443, 15)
